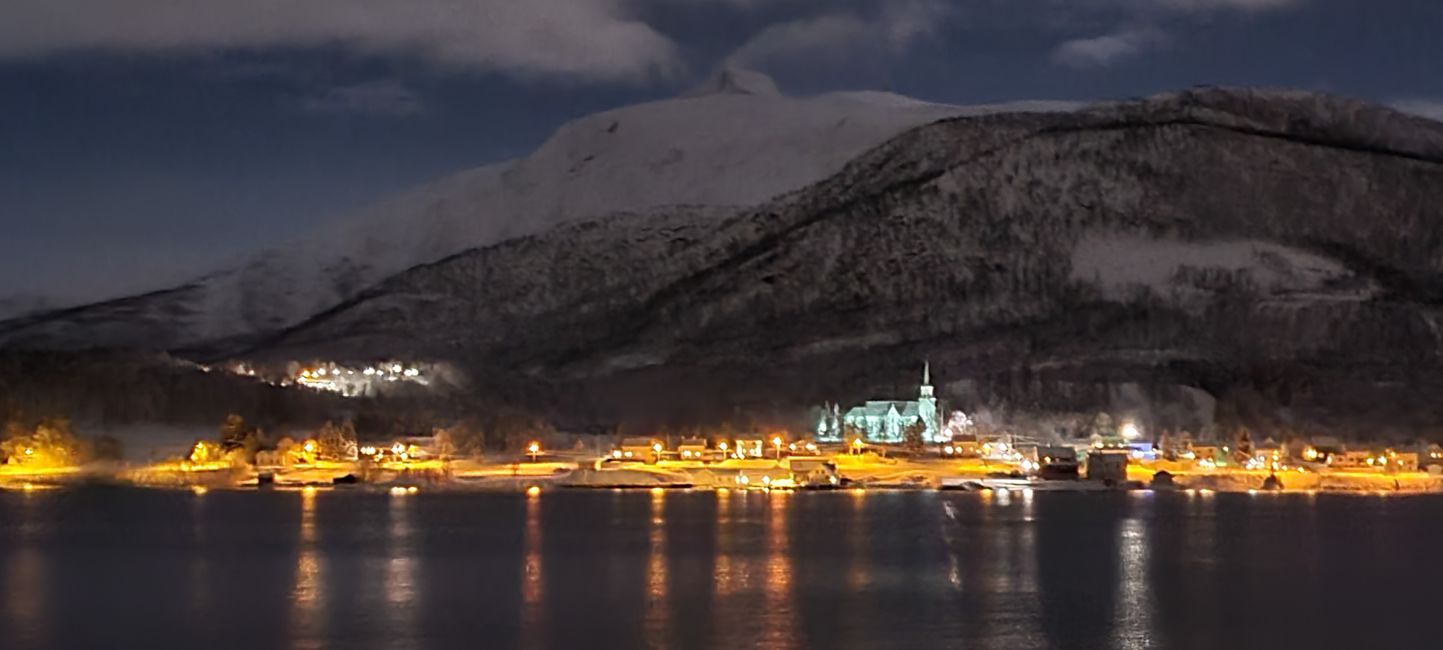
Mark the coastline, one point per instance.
(476, 476)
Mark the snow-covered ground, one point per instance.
(1121, 264)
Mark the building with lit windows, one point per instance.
(886, 421)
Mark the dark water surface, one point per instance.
(115, 568)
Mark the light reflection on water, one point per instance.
(779, 626)
(400, 581)
(532, 590)
(200, 579)
(25, 577)
(656, 617)
(1134, 618)
(308, 619)
(773, 571)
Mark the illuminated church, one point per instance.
(886, 421)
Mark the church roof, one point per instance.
(879, 408)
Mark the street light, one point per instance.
(534, 448)
(856, 445)
(777, 442)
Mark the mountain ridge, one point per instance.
(977, 228)
(720, 149)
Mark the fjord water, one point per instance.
(122, 568)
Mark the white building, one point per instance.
(886, 421)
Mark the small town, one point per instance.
(881, 444)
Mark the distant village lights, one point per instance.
(351, 381)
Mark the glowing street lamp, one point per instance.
(777, 443)
(857, 445)
(534, 448)
(1130, 431)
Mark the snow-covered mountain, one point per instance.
(1269, 248)
(1280, 252)
(732, 143)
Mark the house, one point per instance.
(963, 445)
(813, 472)
(1052, 462)
(1429, 457)
(1351, 459)
(691, 449)
(1107, 466)
(639, 448)
(750, 447)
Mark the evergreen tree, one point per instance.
(913, 435)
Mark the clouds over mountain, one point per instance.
(597, 39)
(592, 40)
(1144, 29)
(880, 28)
(1101, 51)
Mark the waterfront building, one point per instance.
(691, 449)
(1107, 466)
(639, 448)
(887, 421)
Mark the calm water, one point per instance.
(112, 568)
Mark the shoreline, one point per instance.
(555, 476)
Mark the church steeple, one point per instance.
(927, 406)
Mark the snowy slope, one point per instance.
(733, 142)
(1227, 239)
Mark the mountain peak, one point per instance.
(736, 81)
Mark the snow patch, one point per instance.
(1123, 264)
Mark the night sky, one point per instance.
(144, 141)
